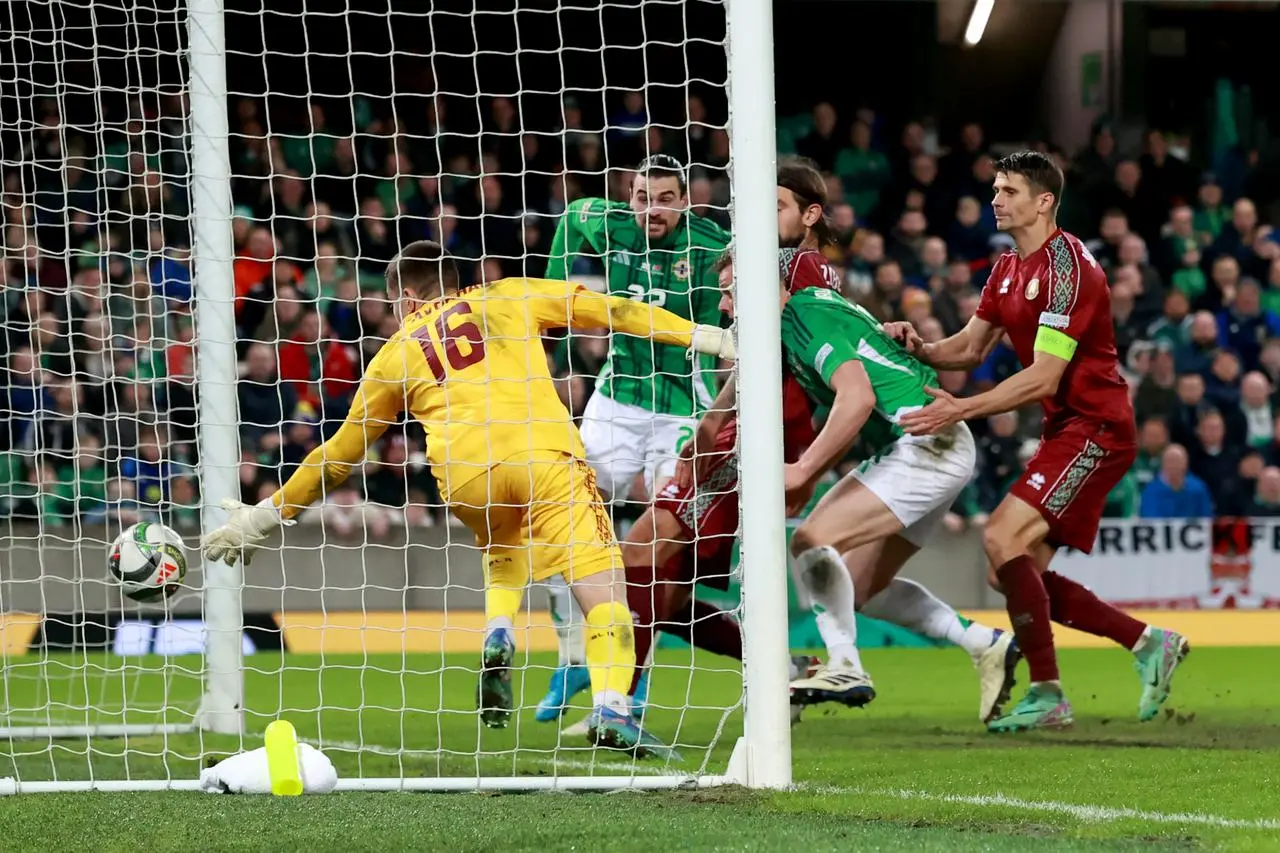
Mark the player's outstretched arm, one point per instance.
(967, 348)
(581, 225)
(854, 402)
(559, 303)
(1031, 385)
(376, 406)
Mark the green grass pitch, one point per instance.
(913, 772)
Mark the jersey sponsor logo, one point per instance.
(1004, 286)
(1036, 481)
(681, 269)
(1033, 288)
(1054, 321)
(821, 358)
(1087, 255)
(585, 213)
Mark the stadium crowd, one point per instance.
(99, 376)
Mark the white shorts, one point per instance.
(919, 477)
(624, 440)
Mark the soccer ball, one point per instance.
(148, 561)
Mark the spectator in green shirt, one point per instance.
(1211, 214)
(864, 173)
(1124, 499)
(1173, 328)
(16, 487)
(324, 281)
(397, 186)
(311, 152)
(76, 488)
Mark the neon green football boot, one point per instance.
(1156, 661)
(1044, 707)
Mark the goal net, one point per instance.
(199, 205)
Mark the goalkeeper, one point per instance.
(469, 365)
(648, 395)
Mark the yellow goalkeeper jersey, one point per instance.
(471, 368)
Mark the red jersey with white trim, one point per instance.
(803, 268)
(1061, 286)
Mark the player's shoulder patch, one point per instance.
(1054, 321)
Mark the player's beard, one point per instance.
(788, 242)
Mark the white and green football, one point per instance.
(148, 561)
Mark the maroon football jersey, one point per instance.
(797, 419)
(803, 268)
(1062, 287)
(797, 422)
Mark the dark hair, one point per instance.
(664, 166)
(801, 177)
(425, 268)
(1039, 169)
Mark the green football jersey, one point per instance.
(677, 273)
(822, 330)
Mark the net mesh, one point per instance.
(355, 128)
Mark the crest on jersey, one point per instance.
(1033, 288)
(681, 269)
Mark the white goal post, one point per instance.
(371, 664)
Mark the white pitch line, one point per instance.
(1092, 814)
(1089, 813)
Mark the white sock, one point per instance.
(612, 699)
(909, 605)
(567, 617)
(498, 623)
(1142, 641)
(826, 577)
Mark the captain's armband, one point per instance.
(1058, 344)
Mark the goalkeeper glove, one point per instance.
(245, 531)
(713, 340)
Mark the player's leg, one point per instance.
(1157, 652)
(570, 532)
(665, 561)
(899, 490)
(936, 475)
(684, 539)
(495, 514)
(651, 554)
(1012, 539)
(616, 451)
(828, 579)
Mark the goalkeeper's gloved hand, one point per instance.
(245, 531)
(713, 340)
